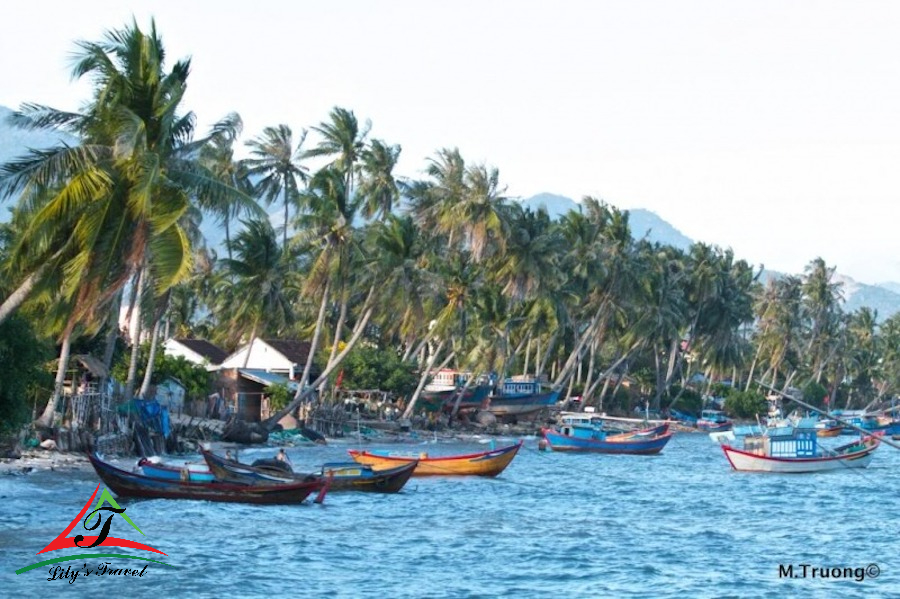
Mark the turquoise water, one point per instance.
(680, 524)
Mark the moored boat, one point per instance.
(585, 433)
(714, 421)
(344, 476)
(131, 484)
(795, 449)
(485, 463)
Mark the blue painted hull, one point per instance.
(174, 473)
(636, 445)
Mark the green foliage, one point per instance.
(814, 393)
(196, 379)
(279, 395)
(745, 404)
(689, 401)
(22, 354)
(373, 368)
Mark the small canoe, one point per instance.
(131, 484)
(344, 476)
(485, 463)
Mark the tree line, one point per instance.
(444, 269)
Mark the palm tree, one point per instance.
(124, 187)
(277, 163)
(218, 158)
(377, 186)
(265, 283)
(343, 139)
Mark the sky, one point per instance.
(768, 127)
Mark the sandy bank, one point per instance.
(36, 460)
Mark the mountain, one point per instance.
(884, 297)
(643, 223)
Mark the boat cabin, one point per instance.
(582, 426)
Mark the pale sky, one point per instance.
(769, 127)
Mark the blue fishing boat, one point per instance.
(585, 433)
(520, 397)
(714, 421)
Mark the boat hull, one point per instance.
(523, 404)
(487, 463)
(744, 461)
(627, 444)
(342, 477)
(129, 484)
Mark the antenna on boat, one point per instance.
(832, 416)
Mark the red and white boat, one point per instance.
(790, 450)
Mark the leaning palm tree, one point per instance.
(125, 186)
(276, 161)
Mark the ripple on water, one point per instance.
(679, 524)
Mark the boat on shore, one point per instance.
(585, 433)
(344, 476)
(131, 484)
(485, 463)
(795, 449)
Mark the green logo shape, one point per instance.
(106, 497)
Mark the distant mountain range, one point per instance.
(884, 297)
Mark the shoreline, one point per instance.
(41, 460)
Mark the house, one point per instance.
(245, 376)
(281, 356)
(196, 351)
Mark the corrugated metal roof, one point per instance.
(267, 378)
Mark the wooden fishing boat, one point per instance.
(188, 471)
(795, 450)
(131, 484)
(344, 476)
(828, 427)
(485, 463)
(585, 433)
(714, 421)
(520, 405)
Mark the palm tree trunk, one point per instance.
(135, 332)
(18, 297)
(250, 345)
(423, 379)
(527, 355)
(46, 418)
(111, 337)
(302, 394)
(320, 323)
(148, 373)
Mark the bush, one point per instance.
(745, 404)
(27, 382)
(373, 368)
